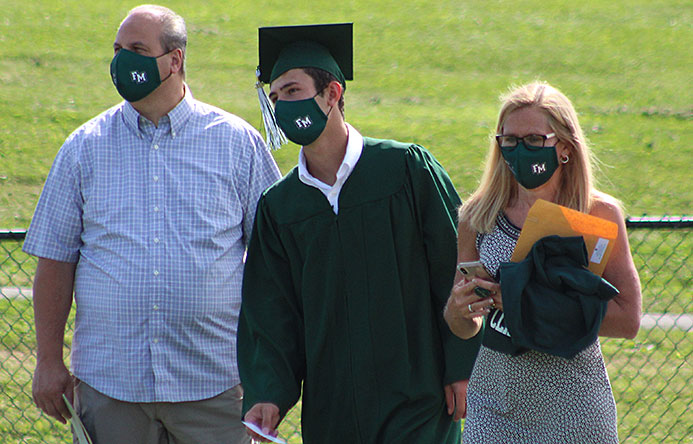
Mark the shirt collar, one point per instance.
(351, 157)
(178, 116)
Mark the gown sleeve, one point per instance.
(270, 351)
(436, 204)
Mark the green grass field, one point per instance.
(426, 72)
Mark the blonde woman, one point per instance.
(539, 152)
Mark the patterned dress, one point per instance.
(536, 397)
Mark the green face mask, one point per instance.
(532, 166)
(302, 120)
(135, 76)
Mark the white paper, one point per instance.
(80, 431)
(258, 430)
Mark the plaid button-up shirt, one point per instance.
(158, 220)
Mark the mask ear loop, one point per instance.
(317, 94)
(170, 71)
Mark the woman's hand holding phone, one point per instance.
(484, 285)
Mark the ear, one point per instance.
(176, 60)
(563, 149)
(334, 92)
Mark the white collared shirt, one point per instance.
(351, 157)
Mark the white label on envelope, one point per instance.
(599, 250)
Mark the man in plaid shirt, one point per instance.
(146, 215)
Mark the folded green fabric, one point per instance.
(552, 302)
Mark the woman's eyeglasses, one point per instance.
(531, 140)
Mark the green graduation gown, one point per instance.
(351, 304)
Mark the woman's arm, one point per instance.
(463, 322)
(624, 311)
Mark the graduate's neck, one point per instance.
(325, 155)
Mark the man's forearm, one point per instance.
(53, 286)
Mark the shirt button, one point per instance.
(156, 272)
(156, 307)
(156, 147)
(156, 341)
(156, 240)
(156, 209)
(156, 178)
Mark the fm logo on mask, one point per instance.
(303, 122)
(539, 168)
(138, 77)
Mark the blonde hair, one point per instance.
(498, 186)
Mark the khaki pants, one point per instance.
(210, 421)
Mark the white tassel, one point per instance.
(275, 136)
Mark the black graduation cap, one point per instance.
(328, 47)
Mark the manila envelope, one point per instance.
(546, 218)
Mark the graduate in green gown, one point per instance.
(350, 264)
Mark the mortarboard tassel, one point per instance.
(275, 136)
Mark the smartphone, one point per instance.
(475, 269)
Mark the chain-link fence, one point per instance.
(650, 375)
